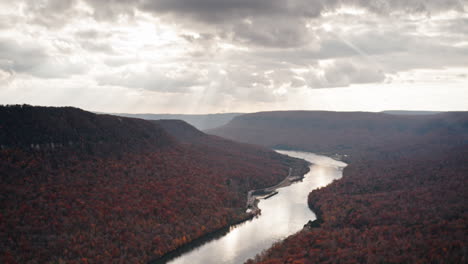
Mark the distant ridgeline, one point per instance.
(201, 121)
(46, 128)
(344, 132)
(413, 112)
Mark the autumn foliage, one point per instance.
(411, 209)
(402, 199)
(83, 188)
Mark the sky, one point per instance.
(214, 56)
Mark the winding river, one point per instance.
(282, 215)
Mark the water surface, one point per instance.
(282, 215)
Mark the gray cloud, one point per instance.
(101, 47)
(394, 49)
(343, 73)
(95, 41)
(272, 22)
(261, 32)
(408, 6)
(20, 58)
(91, 34)
(50, 13)
(29, 58)
(457, 27)
(218, 11)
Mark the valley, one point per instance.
(78, 187)
(402, 199)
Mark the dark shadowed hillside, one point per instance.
(224, 149)
(77, 187)
(186, 133)
(181, 130)
(201, 122)
(49, 127)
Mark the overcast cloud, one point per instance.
(196, 56)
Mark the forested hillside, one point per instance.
(402, 199)
(405, 208)
(77, 187)
(45, 128)
(185, 133)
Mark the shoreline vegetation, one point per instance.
(296, 173)
(369, 186)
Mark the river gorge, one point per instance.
(281, 215)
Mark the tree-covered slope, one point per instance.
(77, 187)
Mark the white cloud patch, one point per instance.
(152, 79)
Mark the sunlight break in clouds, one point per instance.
(236, 56)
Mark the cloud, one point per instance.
(152, 79)
(20, 57)
(50, 13)
(101, 47)
(219, 11)
(256, 23)
(455, 27)
(409, 6)
(342, 73)
(234, 50)
(269, 23)
(95, 41)
(32, 59)
(260, 32)
(91, 34)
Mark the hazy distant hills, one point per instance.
(324, 131)
(210, 121)
(76, 185)
(404, 112)
(201, 122)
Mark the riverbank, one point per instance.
(399, 207)
(296, 173)
(200, 241)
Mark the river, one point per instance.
(282, 215)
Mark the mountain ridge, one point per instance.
(200, 121)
